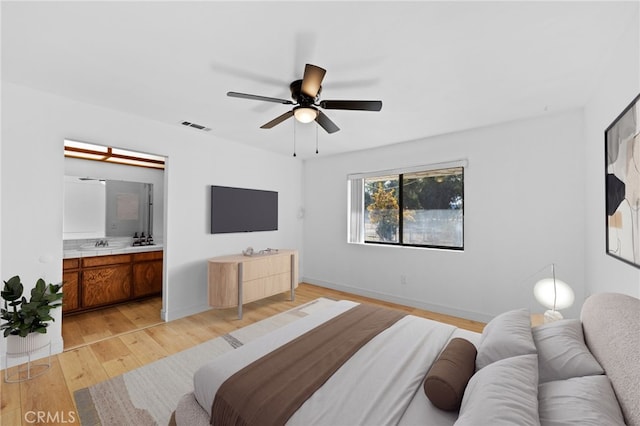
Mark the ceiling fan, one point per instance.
(306, 98)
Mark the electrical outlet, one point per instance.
(403, 279)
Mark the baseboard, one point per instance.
(448, 310)
(174, 314)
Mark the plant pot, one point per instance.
(17, 345)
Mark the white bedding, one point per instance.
(382, 379)
(382, 382)
(210, 376)
(420, 408)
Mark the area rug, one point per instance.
(149, 394)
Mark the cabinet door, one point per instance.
(102, 286)
(147, 278)
(70, 291)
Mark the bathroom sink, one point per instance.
(113, 245)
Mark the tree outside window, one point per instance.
(383, 209)
(431, 203)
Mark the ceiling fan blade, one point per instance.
(259, 98)
(352, 105)
(312, 79)
(277, 120)
(326, 123)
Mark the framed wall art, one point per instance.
(622, 185)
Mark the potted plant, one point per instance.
(27, 319)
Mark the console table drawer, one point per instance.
(265, 287)
(266, 266)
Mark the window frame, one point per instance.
(355, 227)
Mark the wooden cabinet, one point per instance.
(70, 291)
(105, 285)
(238, 279)
(92, 282)
(147, 273)
(71, 281)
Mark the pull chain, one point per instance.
(316, 138)
(294, 138)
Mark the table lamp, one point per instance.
(554, 295)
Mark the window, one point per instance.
(421, 207)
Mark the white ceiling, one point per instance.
(438, 67)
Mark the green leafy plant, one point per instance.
(384, 211)
(22, 317)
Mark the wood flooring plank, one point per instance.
(117, 323)
(191, 328)
(209, 321)
(144, 313)
(95, 337)
(92, 326)
(114, 355)
(9, 396)
(142, 345)
(121, 365)
(81, 368)
(92, 322)
(170, 339)
(97, 325)
(47, 394)
(72, 333)
(11, 417)
(109, 350)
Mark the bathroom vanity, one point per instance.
(101, 278)
(101, 222)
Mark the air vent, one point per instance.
(196, 126)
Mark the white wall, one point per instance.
(524, 209)
(619, 85)
(34, 125)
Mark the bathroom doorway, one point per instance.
(113, 263)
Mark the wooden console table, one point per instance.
(238, 279)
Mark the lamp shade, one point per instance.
(553, 297)
(305, 114)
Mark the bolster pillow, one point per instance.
(448, 377)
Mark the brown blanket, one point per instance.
(272, 388)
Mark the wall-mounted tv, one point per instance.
(243, 210)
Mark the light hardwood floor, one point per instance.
(88, 364)
(91, 327)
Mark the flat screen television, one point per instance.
(243, 210)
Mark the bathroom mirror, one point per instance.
(99, 208)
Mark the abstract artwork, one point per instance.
(622, 183)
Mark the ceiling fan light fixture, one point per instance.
(306, 98)
(305, 114)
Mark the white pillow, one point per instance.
(562, 353)
(503, 393)
(582, 401)
(507, 335)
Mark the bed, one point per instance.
(572, 371)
